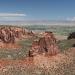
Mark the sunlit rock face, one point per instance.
(45, 45)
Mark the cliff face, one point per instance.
(45, 45)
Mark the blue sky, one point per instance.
(20, 10)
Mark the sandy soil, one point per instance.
(60, 37)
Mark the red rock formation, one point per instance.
(34, 49)
(10, 34)
(46, 44)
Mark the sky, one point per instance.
(21, 10)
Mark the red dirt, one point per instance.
(42, 61)
(9, 46)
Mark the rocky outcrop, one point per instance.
(45, 45)
(9, 34)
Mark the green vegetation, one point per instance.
(65, 44)
(16, 53)
(61, 30)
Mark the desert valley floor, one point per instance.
(36, 50)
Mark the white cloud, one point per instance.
(71, 19)
(11, 15)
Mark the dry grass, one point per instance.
(61, 64)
